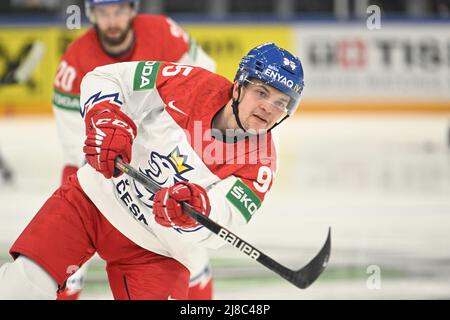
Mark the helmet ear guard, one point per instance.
(235, 107)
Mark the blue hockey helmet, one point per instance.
(88, 4)
(276, 67)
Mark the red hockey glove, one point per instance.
(169, 212)
(109, 134)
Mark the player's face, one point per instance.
(261, 106)
(113, 22)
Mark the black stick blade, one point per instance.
(304, 277)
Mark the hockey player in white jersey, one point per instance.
(118, 34)
(192, 132)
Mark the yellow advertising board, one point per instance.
(227, 44)
(33, 96)
(331, 85)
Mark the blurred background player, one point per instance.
(119, 34)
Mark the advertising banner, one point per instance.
(227, 44)
(34, 95)
(400, 67)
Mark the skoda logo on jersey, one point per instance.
(97, 98)
(166, 170)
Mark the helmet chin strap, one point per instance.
(276, 124)
(235, 106)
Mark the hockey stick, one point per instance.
(301, 278)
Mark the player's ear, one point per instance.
(235, 90)
(134, 10)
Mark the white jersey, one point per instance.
(173, 106)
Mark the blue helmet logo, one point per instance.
(276, 67)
